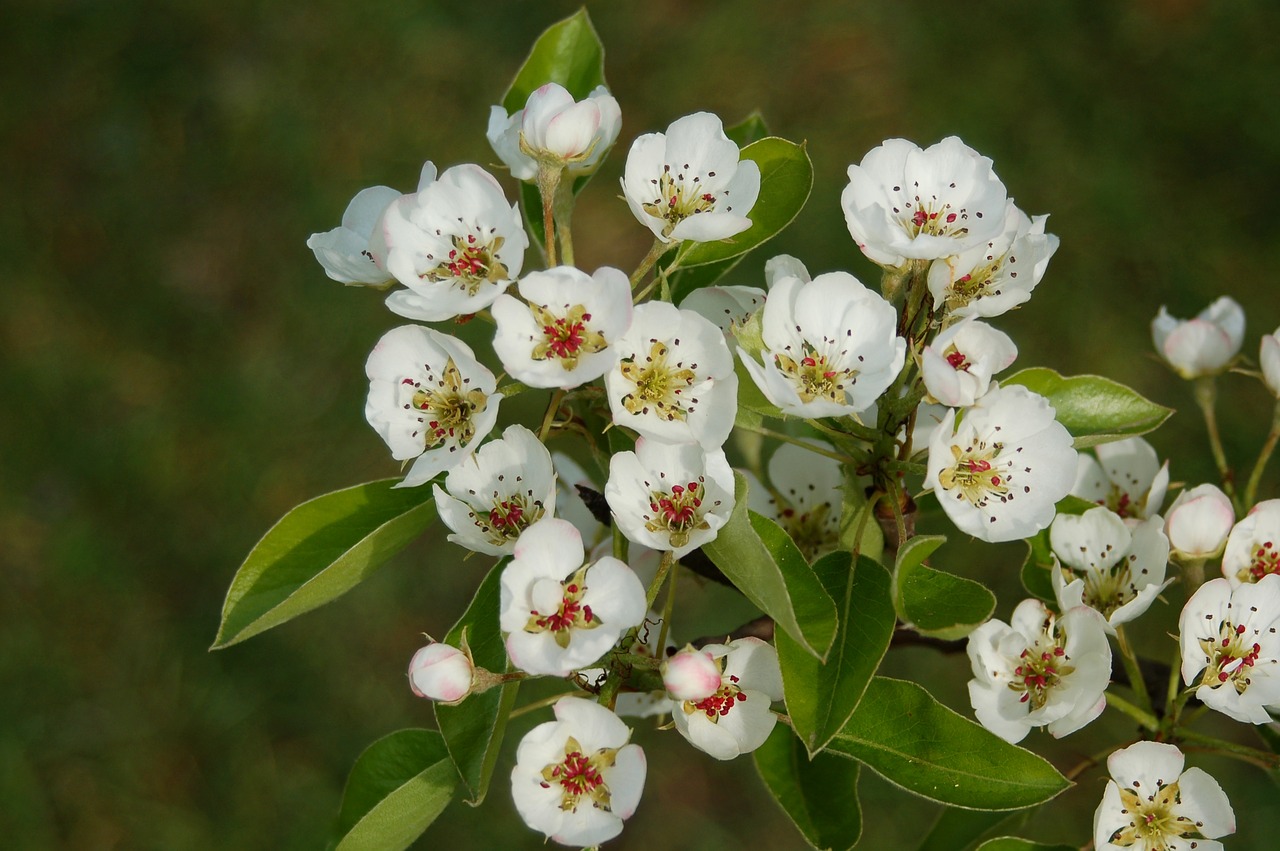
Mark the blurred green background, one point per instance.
(180, 372)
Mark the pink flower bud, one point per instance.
(440, 672)
(691, 675)
(1199, 521)
(1269, 357)
(1205, 345)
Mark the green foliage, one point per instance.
(760, 560)
(1009, 843)
(1092, 408)
(473, 729)
(319, 551)
(903, 734)
(938, 604)
(819, 795)
(748, 130)
(822, 695)
(395, 790)
(958, 830)
(568, 53)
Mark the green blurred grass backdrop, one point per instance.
(180, 372)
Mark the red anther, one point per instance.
(672, 202)
(951, 217)
(1058, 651)
(829, 375)
(1240, 629)
(808, 362)
(1222, 677)
(995, 480)
(709, 198)
(677, 489)
(956, 360)
(919, 218)
(964, 279)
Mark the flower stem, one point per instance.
(667, 609)
(1251, 490)
(1206, 393)
(658, 249)
(1134, 670)
(563, 211)
(786, 438)
(664, 567)
(538, 704)
(1146, 719)
(1262, 759)
(548, 181)
(552, 409)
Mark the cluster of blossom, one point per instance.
(819, 348)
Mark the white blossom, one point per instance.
(691, 674)
(1126, 476)
(997, 275)
(1199, 522)
(999, 474)
(569, 501)
(553, 126)
(1205, 345)
(497, 492)
(690, 183)
(561, 614)
(806, 497)
(1151, 804)
(429, 399)
(831, 346)
(344, 251)
(736, 719)
(958, 365)
(1269, 358)
(725, 307)
(1110, 566)
(1230, 647)
(1039, 670)
(441, 672)
(673, 379)
(670, 497)
(564, 336)
(639, 704)
(1253, 547)
(903, 203)
(456, 244)
(577, 778)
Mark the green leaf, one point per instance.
(758, 557)
(569, 53)
(857, 519)
(319, 551)
(903, 734)
(821, 696)
(748, 130)
(395, 790)
(819, 796)
(786, 178)
(473, 729)
(1009, 843)
(956, 830)
(937, 604)
(685, 281)
(1092, 408)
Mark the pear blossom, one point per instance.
(691, 674)
(831, 346)
(429, 399)
(441, 672)
(1230, 646)
(903, 203)
(997, 275)
(958, 365)
(1151, 804)
(725, 307)
(999, 475)
(673, 379)
(1039, 670)
(1110, 566)
(1205, 345)
(344, 251)
(490, 498)
(570, 504)
(806, 498)
(638, 704)
(736, 718)
(784, 266)
(456, 244)
(554, 127)
(1199, 522)
(578, 778)
(561, 614)
(690, 183)
(1269, 358)
(1253, 547)
(1126, 476)
(670, 497)
(563, 336)
(928, 417)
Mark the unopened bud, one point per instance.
(691, 675)
(1198, 522)
(441, 672)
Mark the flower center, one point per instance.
(974, 476)
(678, 199)
(471, 263)
(978, 283)
(1109, 589)
(566, 338)
(928, 217)
(1153, 821)
(560, 619)
(657, 385)
(448, 408)
(1265, 560)
(816, 377)
(1231, 658)
(957, 359)
(718, 704)
(508, 518)
(1119, 502)
(1040, 667)
(677, 512)
(811, 530)
(580, 776)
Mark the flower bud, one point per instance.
(441, 672)
(554, 127)
(1269, 357)
(1199, 521)
(691, 675)
(1204, 345)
